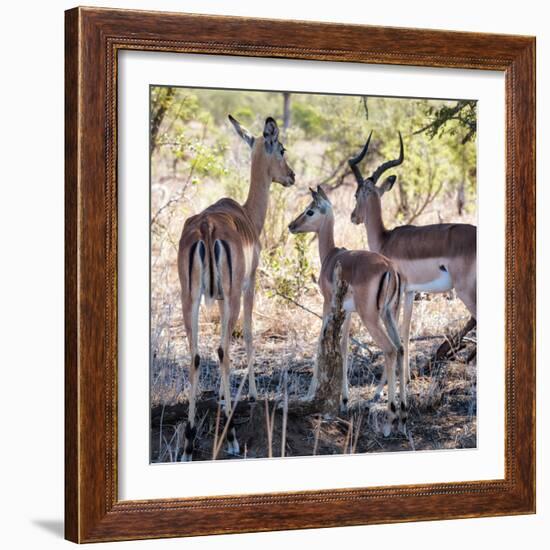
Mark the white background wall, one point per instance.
(31, 268)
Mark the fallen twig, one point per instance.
(215, 445)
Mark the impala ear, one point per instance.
(387, 184)
(323, 201)
(242, 131)
(314, 193)
(322, 194)
(271, 134)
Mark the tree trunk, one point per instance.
(328, 386)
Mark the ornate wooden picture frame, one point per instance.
(94, 38)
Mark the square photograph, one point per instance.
(313, 274)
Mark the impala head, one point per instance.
(268, 151)
(312, 218)
(367, 188)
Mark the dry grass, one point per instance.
(442, 411)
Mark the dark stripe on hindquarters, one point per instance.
(211, 275)
(217, 251)
(202, 253)
(398, 290)
(380, 286)
(191, 258)
(207, 238)
(227, 250)
(225, 245)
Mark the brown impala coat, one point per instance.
(218, 254)
(433, 258)
(374, 292)
(228, 223)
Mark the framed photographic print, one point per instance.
(300, 275)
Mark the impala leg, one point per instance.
(230, 315)
(248, 306)
(468, 296)
(221, 305)
(406, 330)
(344, 352)
(390, 358)
(379, 391)
(454, 341)
(190, 306)
(393, 333)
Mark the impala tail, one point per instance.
(390, 290)
(213, 260)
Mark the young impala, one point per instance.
(374, 292)
(218, 256)
(433, 258)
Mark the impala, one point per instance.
(374, 292)
(218, 256)
(433, 258)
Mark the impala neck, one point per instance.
(326, 236)
(258, 194)
(374, 223)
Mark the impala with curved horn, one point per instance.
(374, 292)
(218, 256)
(433, 258)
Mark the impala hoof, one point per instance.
(233, 448)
